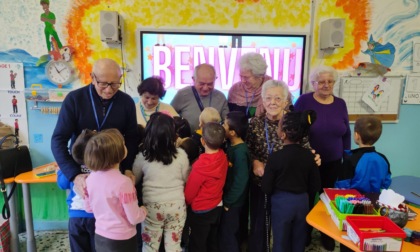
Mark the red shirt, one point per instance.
(204, 188)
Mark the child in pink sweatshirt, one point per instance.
(111, 196)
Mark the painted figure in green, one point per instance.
(49, 19)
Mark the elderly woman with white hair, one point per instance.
(262, 140)
(330, 135)
(245, 95)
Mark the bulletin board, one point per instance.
(379, 96)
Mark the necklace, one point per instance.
(143, 112)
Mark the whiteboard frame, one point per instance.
(385, 118)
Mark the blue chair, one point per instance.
(409, 187)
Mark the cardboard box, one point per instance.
(375, 233)
(340, 218)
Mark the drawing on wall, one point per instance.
(377, 93)
(56, 50)
(14, 105)
(12, 90)
(380, 54)
(12, 79)
(412, 90)
(48, 18)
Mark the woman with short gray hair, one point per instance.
(245, 95)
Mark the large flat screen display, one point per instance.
(173, 56)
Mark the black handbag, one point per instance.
(13, 161)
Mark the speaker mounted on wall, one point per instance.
(331, 33)
(110, 27)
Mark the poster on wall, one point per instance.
(412, 90)
(13, 117)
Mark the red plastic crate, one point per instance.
(375, 233)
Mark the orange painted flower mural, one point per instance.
(357, 15)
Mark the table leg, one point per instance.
(30, 237)
(14, 221)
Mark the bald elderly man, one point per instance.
(97, 106)
(191, 100)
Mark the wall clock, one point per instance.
(59, 72)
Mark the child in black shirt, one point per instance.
(291, 174)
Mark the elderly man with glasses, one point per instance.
(98, 106)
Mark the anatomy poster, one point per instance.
(12, 96)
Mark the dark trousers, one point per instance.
(15, 109)
(104, 244)
(243, 221)
(229, 230)
(288, 213)
(328, 172)
(258, 235)
(82, 234)
(139, 188)
(204, 229)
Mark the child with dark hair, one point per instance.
(290, 177)
(79, 146)
(182, 127)
(236, 186)
(164, 169)
(111, 196)
(365, 169)
(204, 190)
(81, 224)
(191, 148)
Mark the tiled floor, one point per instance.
(48, 241)
(57, 241)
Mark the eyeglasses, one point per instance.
(270, 99)
(325, 82)
(103, 84)
(246, 78)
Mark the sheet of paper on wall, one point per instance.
(12, 98)
(377, 92)
(412, 90)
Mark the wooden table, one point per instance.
(320, 219)
(26, 179)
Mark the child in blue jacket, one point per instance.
(363, 168)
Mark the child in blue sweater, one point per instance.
(363, 168)
(81, 223)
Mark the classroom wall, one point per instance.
(77, 24)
